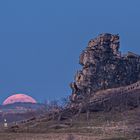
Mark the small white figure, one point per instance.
(5, 123)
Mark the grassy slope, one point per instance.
(103, 125)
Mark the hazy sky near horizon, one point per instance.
(41, 40)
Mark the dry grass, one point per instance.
(54, 136)
(100, 126)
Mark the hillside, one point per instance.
(102, 125)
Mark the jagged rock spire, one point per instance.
(104, 67)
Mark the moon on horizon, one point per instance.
(19, 98)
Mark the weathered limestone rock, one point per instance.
(104, 67)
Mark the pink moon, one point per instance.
(22, 98)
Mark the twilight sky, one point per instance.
(41, 40)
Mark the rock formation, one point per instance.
(104, 67)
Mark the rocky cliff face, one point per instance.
(104, 67)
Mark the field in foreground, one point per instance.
(54, 136)
(100, 126)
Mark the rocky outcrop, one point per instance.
(104, 67)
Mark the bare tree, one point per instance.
(65, 102)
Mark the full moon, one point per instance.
(22, 98)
